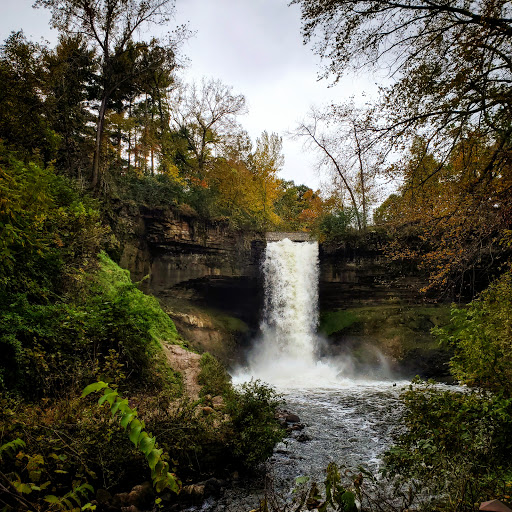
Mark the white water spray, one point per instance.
(285, 354)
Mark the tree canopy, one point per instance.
(450, 75)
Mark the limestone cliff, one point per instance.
(207, 277)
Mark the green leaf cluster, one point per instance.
(253, 429)
(457, 445)
(480, 336)
(28, 480)
(213, 377)
(160, 474)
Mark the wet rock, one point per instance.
(292, 418)
(141, 496)
(193, 492)
(103, 496)
(303, 438)
(212, 487)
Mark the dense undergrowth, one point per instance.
(453, 447)
(70, 316)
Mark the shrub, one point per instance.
(213, 376)
(50, 347)
(68, 446)
(480, 337)
(252, 430)
(457, 445)
(335, 226)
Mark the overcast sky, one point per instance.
(256, 47)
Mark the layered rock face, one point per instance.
(183, 257)
(208, 278)
(356, 276)
(206, 261)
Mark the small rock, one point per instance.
(212, 487)
(292, 418)
(141, 495)
(193, 491)
(207, 410)
(120, 500)
(302, 438)
(103, 496)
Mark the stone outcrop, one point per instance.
(172, 248)
(352, 276)
(182, 256)
(179, 256)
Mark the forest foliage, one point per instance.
(103, 117)
(456, 449)
(70, 316)
(119, 122)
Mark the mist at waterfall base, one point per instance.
(289, 354)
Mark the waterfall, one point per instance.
(285, 354)
(290, 316)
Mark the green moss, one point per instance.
(396, 328)
(335, 321)
(114, 282)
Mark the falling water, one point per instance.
(285, 355)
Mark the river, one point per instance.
(351, 426)
(348, 418)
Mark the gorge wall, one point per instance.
(182, 256)
(207, 277)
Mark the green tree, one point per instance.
(110, 27)
(480, 337)
(68, 85)
(24, 126)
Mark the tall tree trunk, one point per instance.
(361, 177)
(99, 139)
(129, 133)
